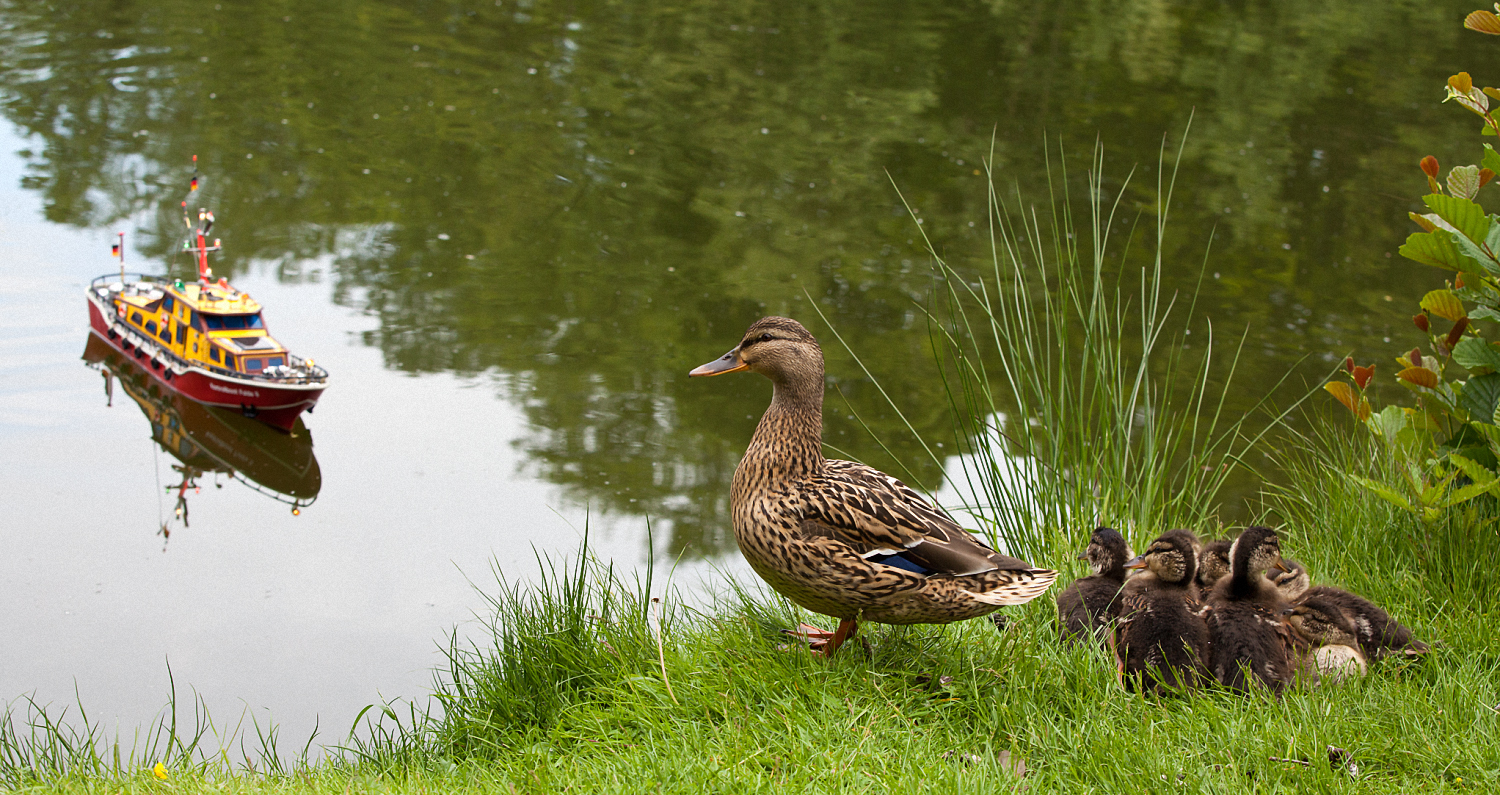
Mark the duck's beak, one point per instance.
(1137, 562)
(728, 363)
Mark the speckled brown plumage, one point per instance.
(1378, 634)
(1250, 641)
(821, 532)
(1213, 563)
(1162, 642)
(1089, 607)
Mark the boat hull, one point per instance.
(277, 405)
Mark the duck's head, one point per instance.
(1172, 557)
(778, 348)
(1292, 581)
(1256, 550)
(1107, 552)
(1320, 621)
(1213, 562)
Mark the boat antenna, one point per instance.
(118, 250)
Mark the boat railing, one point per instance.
(301, 371)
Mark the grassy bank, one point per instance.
(575, 694)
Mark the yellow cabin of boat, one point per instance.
(212, 325)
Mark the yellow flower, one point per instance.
(160, 770)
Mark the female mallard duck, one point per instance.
(1162, 641)
(840, 538)
(1250, 639)
(1090, 605)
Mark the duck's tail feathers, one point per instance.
(1015, 587)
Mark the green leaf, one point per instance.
(1471, 469)
(1469, 492)
(1491, 159)
(1384, 492)
(1463, 181)
(1489, 431)
(1466, 217)
(1440, 249)
(1444, 304)
(1483, 313)
(1388, 423)
(1472, 352)
(1480, 396)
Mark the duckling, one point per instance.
(1292, 581)
(1379, 635)
(1331, 652)
(1245, 617)
(1213, 562)
(1088, 606)
(1162, 641)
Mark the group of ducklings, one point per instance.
(1232, 611)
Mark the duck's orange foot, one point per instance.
(821, 641)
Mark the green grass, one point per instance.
(584, 684)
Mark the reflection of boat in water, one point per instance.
(206, 339)
(210, 439)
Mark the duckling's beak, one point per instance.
(1137, 562)
(1281, 565)
(728, 363)
(1083, 556)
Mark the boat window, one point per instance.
(234, 322)
(151, 327)
(274, 361)
(252, 365)
(136, 318)
(197, 321)
(213, 353)
(169, 304)
(181, 333)
(166, 333)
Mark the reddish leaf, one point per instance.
(1456, 333)
(1458, 280)
(1362, 375)
(1415, 356)
(1484, 22)
(1461, 82)
(1421, 376)
(1348, 364)
(1485, 175)
(1420, 320)
(1429, 166)
(1343, 392)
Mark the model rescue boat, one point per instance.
(206, 339)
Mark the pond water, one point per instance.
(508, 229)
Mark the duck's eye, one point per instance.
(765, 338)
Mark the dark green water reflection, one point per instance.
(590, 198)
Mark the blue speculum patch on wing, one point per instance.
(901, 563)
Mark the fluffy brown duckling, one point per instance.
(1213, 563)
(1161, 641)
(1378, 634)
(1331, 650)
(1090, 605)
(1291, 581)
(1250, 641)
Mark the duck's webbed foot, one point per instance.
(821, 641)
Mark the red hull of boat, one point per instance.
(277, 405)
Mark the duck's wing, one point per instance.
(880, 517)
